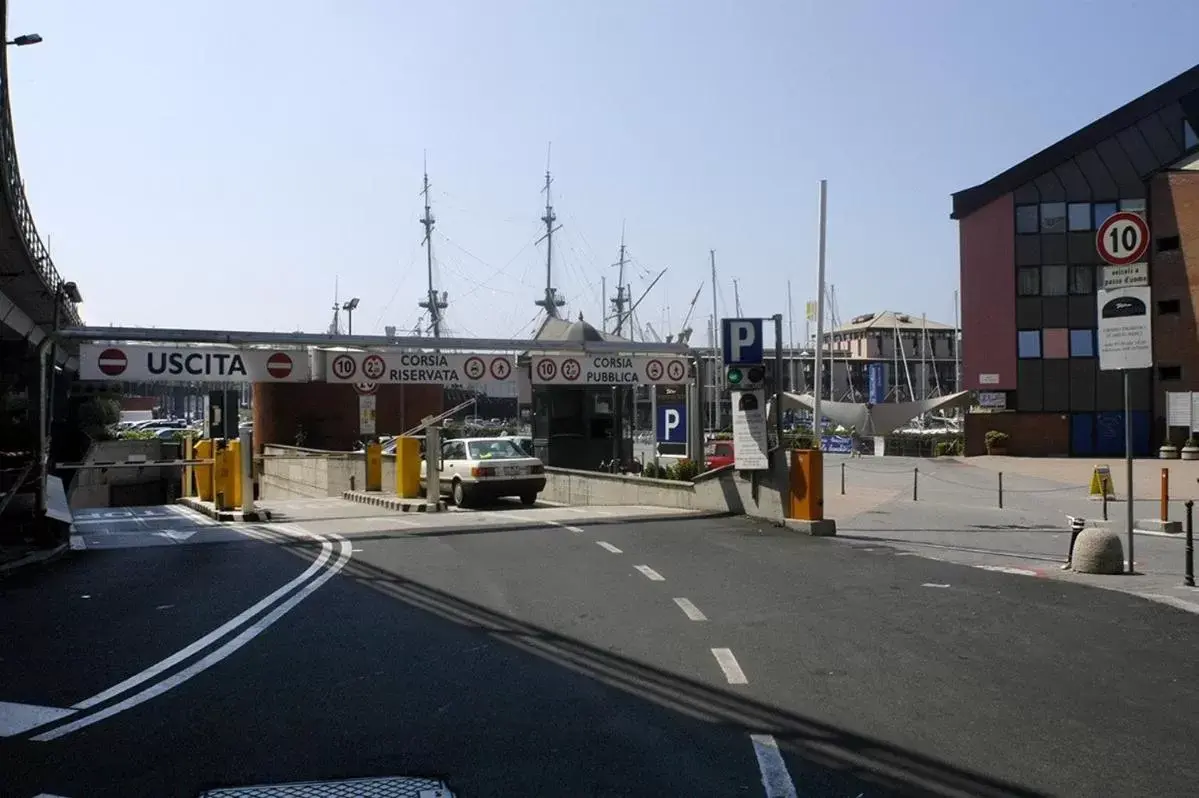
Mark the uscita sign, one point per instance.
(137, 363)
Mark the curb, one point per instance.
(393, 502)
(44, 557)
(226, 516)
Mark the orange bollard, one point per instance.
(1165, 494)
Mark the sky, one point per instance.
(231, 164)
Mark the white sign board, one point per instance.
(608, 370)
(367, 403)
(1182, 409)
(750, 447)
(416, 368)
(1130, 276)
(1125, 330)
(988, 379)
(996, 400)
(138, 363)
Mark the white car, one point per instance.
(481, 469)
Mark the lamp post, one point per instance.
(349, 308)
(25, 40)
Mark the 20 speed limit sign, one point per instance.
(1123, 238)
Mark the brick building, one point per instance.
(327, 413)
(1030, 269)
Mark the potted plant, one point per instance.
(996, 442)
(1167, 451)
(1190, 449)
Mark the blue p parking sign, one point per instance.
(672, 424)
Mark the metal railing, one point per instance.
(14, 194)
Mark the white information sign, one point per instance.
(139, 363)
(1130, 276)
(750, 447)
(1125, 330)
(608, 370)
(995, 400)
(1182, 409)
(367, 404)
(416, 368)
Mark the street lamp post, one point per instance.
(25, 40)
(349, 308)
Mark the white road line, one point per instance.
(77, 543)
(650, 573)
(775, 777)
(603, 544)
(577, 530)
(17, 718)
(206, 662)
(932, 584)
(194, 516)
(728, 664)
(213, 636)
(1004, 569)
(690, 610)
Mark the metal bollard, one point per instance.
(1189, 578)
(1000, 490)
(915, 482)
(1105, 504)
(843, 479)
(1076, 526)
(1165, 507)
(352, 480)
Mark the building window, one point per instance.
(1168, 306)
(1055, 281)
(1189, 139)
(1103, 210)
(1168, 243)
(1082, 343)
(1030, 281)
(1082, 279)
(1028, 220)
(1169, 372)
(1055, 343)
(1053, 217)
(1079, 214)
(1029, 343)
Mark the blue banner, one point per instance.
(836, 444)
(876, 376)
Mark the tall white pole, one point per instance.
(718, 362)
(818, 376)
(957, 345)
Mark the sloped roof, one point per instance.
(889, 320)
(554, 329)
(1183, 89)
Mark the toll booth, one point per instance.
(580, 427)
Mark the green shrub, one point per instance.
(651, 471)
(686, 470)
(995, 439)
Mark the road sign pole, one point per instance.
(817, 371)
(1128, 463)
(778, 382)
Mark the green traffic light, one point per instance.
(735, 376)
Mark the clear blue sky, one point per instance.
(265, 148)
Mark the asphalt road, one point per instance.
(557, 651)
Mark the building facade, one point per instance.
(911, 356)
(1030, 271)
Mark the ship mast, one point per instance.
(432, 302)
(551, 302)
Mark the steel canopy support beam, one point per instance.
(251, 338)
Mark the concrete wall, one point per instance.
(291, 472)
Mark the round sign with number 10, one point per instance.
(1123, 238)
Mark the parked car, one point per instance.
(483, 469)
(718, 454)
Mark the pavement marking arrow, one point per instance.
(177, 535)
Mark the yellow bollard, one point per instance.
(204, 451)
(408, 468)
(374, 467)
(807, 484)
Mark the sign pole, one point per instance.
(817, 366)
(778, 382)
(1128, 465)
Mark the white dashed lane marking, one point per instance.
(650, 573)
(603, 544)
(775, 777)
(728, 664)
(690, 610)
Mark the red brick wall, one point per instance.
(1029, 434)
(1174, 210)
(328, 412)
(988, 274)
(139, 402)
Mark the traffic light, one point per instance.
(745, 378)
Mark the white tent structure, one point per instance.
(875, 420)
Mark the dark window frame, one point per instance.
(1077, 269)
(1036, 228)
(1023, 270)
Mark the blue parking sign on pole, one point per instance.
(741, 340)
(672, 424)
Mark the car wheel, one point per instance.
(458, 493)
(528, 499)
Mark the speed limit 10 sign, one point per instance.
(1123, 238)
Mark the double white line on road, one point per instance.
(279, 603)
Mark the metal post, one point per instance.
(1189, 579)
(1000, 490)
(915, 483)
(778, 379)
(247, 475)
(1131, 515)
(1105, 502)
(432, 468)
(1076, 527)
(843, 479)
(1165, 500)
(817, 370)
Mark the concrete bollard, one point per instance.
(1098, 551)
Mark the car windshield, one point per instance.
(498, 449)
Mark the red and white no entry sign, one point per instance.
(112, 362)
(1123, 238)
(278, 365)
